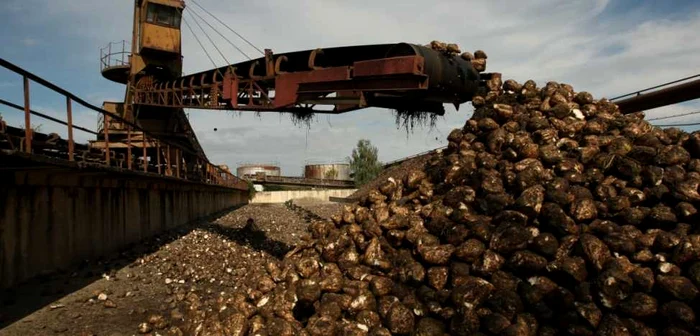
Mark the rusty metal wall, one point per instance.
(331, 171)
(51, 219)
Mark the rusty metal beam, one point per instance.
(128, 147)
(145, 156)
(27, 118)
(177, 163)
(411, 82)
(168, 171)
(105, 118)
(389, 66)
(663, 97)
(158, 157)
(69, 119)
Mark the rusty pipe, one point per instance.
(664, 97)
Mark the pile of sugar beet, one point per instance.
(549, 213)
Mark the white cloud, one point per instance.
(271, 138)
(576, 42)
(29, 42)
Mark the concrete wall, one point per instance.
(50, 219)
(283, 196)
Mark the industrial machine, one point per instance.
(155, 52)
(395, 76)
(403, 77)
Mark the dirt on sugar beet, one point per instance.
(548, 213)
(155, 280)
(397, 172)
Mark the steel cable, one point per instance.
(200, 42)
(227, 26)
(218, 32)
(679, 125)
(674, 116)
(209, 38)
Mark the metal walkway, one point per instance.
(146, 153)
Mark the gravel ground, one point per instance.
(325, 210)
(158, 280)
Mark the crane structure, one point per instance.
(401, 76)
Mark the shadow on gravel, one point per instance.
(253, 237)
(302, 212)
(30, 296)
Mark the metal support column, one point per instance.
(71, 143)
(27, 119)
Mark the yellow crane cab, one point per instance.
(160, 29)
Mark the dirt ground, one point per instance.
(155, 278)
(320, 209)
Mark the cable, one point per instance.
(209, 38)
(654, 87)
(674, 116)
(229, 28)
(200, 42)
(679, 125)
(220, 34)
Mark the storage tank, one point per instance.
(328, 171)
(251, 169)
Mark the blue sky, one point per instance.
(605, 47)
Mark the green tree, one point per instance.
(364, 162)
(331, 174)
(251, 190)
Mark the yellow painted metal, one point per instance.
(172, 3)
(137, 64)
(160, 38)
(114, 107)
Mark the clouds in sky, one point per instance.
(605, 47)
(29, 42)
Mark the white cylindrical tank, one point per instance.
(253, 169)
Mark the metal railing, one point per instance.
(115, 54)
(304, 181)
(137, 144)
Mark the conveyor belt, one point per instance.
(398, 76)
